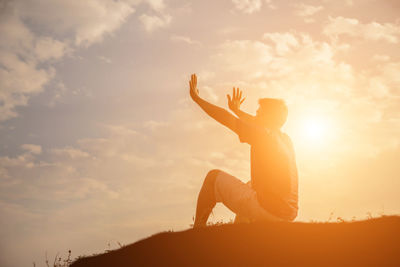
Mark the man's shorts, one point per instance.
(240, 198)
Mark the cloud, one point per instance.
(306, 11)
(153, 22)
(31, 148)
(184, 39)
(374, 31)
(252, 6)
(239, 55)
(285, 63)
(381, 57)
(270, 4)
(157, 5)
(301, 69)
(35, 32)
(157, 17)
(22, 161)
(105, 59)
(85, 22)
(382, 84)
(248, 6)
(20, 54)
(47, 48)
(283, 41)
(211, 93)
(70, 152)
(154, 125)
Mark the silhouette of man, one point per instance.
(272, 193)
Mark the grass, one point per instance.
(68, 261)
(371, 242)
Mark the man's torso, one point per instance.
(274, 175)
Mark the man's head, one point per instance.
(272, 113)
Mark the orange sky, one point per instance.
(100, 142)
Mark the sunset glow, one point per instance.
(316, 130)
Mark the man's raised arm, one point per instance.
(219, 114)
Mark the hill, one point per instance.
(373, 242)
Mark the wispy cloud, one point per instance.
(153, 22)
(284, 42)
(31, 148)
(247, 6)
(374, 31)
(184, 39)
(307, 11)
(70, 152)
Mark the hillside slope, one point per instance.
(374, 242)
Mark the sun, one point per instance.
(316, 129)
(313, 132)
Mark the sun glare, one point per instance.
(315, 129)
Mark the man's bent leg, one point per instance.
(240, 218)
(206, 200)
(240, 198)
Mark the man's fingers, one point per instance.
(193, 81)
(229, 98)
(240, 94)
(242, 100)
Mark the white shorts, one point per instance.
(240, 198)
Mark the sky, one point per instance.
(100, 142)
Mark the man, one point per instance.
(272, 194)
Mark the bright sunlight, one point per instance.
(316, 130)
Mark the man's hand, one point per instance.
(194, 92)
(236, 100)
(219, 114)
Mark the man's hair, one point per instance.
(275, 109)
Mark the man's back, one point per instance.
(273, 169)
